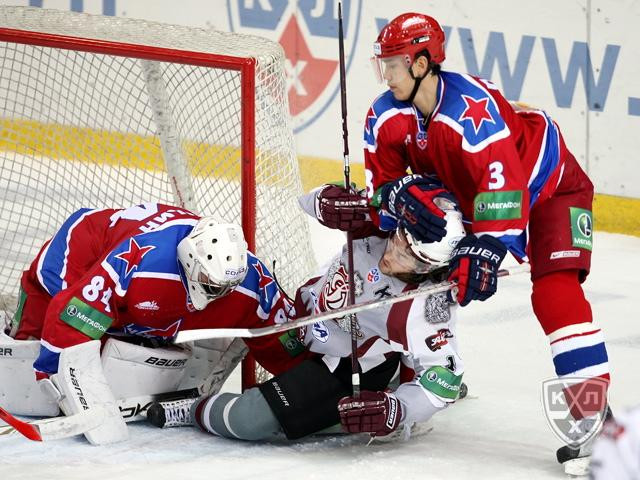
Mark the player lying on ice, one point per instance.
(102, 301)
(316, 394)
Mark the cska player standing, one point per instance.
(518, 185)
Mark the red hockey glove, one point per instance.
(474, 265)
(342, 209)
(411, 200)
(372, 412)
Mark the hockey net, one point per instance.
(104, 112)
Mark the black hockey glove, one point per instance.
(474, 265)
(410, 201)
(339, 208)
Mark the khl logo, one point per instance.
(308, 33)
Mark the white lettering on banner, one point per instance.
(501, 205)
(294, 74)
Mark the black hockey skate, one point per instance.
(175, 413)
(576, 460)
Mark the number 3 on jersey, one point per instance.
(92, 291)
(497, 178)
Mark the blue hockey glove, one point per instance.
(474, 265)
(410, 200)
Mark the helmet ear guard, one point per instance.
(214, 259)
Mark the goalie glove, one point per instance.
(411, 201)
(339, 208)
(474, 265)
(378, 413)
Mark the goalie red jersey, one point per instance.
(116, 272)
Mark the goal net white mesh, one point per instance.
(132, 111)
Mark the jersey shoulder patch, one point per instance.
(468, 107)
(383, 108)
(260, 284)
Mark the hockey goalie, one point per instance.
(105, 296)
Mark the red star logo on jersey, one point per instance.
(134, 255)
(264, 280)
(477, 111)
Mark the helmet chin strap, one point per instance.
(416, 83)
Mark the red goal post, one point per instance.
(128, 111)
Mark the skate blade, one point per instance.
(577, 467)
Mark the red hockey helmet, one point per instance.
(409, 34)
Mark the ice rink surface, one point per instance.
(498, 432)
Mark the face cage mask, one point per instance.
(211, 289)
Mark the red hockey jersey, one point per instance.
(116, 271)
(497, 160)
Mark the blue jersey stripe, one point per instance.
(47, 361)
(162, 258)
(53, 263)
(574, 360)
(383, 103)
(550, 160)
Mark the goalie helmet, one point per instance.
(214, 259)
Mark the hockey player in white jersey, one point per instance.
(616, 452)
(316, 394)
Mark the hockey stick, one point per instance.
(52, 428)
(191, 335)
(353, 320)
(132, 410)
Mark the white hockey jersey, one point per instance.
(616, 453)
(422, 329)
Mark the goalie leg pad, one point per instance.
(212, 362)
(133, 370)
(20, 394)
(83, 386)
(243, 417)
(305, 398)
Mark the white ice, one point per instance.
(499, 431)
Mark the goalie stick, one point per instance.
(132, 410)
(201, 334)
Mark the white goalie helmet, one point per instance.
(214, 259)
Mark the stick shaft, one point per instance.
(190, 335)
(353, 321)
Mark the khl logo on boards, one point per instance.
(308, 33)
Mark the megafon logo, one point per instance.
(308, 33)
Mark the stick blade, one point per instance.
(32, 432)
